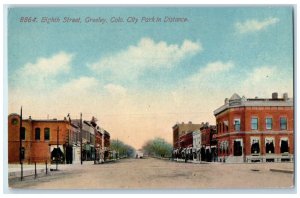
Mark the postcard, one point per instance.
(150, 97)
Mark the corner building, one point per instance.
(255, 129)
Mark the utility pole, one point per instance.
(80, 138)
(20, 149)
(57, 140)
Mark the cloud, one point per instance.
(147, 54)
(255, 25)
(212, 70)
(42, 74)
(264, 80)
(44, 67)
(115, 89)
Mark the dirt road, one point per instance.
(163, 174)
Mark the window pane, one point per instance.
(47, 134)
(268, 123)
(237, 125)
(37, 134)
(283, 123)
(254, 123)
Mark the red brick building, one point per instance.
(39, 139)
(208, 142)
(40, 143)
(255, 129)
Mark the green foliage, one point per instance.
(123, 149)
(158, 147)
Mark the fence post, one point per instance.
(46, 168)
(35, 175)
(21, 171)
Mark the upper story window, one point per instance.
(237, 124)
(23, 133)
(254, 123)
(283, 123)
(37, 133)
(269, 123)
(46, 134)
(15, 121)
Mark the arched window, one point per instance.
(46, 134)
(37, 133)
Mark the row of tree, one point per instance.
(158, 147)
(122, 149)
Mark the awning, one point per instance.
(52, 147)
(226, 123)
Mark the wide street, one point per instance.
(153, 173)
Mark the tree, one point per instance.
(158, 147)
(122, 149)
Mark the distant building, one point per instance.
(196, 144)
(182, 129)
(208, 142)
(255, 129)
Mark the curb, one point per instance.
(282, 171)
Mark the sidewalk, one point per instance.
(14, 170)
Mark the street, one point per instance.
(153, 173)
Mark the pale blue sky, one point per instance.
(162, 71)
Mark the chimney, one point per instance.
(275, 95)
(226, 101)
(285, 96)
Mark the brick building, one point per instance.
(40, 142)
(208, 142)
(255, 129)
(183, 139)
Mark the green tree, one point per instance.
(158, 147)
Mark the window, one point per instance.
(37, 133)
(23, 133)
(269, 123)
(270, 145)
(254, 123)
(284, 146)
(237, 148)
(46, 134)
(255, 146)
(14, 121)
(237, 125)
(283, 123)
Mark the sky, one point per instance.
(139, 79)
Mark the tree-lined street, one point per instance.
(153, 173)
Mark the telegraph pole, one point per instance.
(20, 149)
(57, 140)
(80, 138)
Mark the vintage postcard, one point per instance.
(150, 97)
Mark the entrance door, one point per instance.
(237, 148)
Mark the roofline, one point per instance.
(253, 103)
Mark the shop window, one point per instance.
(283, 123)
(23, 133)
(255, 146)
(46, 134)
(270, 146)
(269, 123)
(37, 133)
(237, 148)
(284, 146)
(254, 123)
